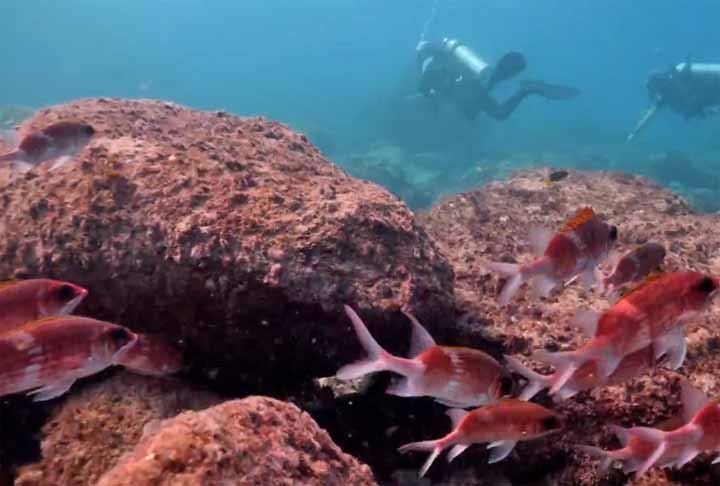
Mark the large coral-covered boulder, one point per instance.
(231, 235)
(253, 441)
(491, 223)
(86, 434)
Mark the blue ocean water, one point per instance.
(343, 71)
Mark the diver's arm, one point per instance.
(649, 114)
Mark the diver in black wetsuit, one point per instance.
(689, 89)
(452, 71)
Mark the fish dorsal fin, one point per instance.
(456, 415)
(420, 339)
(581, 217)
(693, 399)
(539, 238)
(644, 283)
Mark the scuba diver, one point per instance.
(451, 70)
(689, 89)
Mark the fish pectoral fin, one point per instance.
(542, 285)
(687, 455)
(456, 450)
(500, 449)
(587, 321)
(539, 238)
(402, 387)
(587, 279)
(48, 392)
(673, 344)
(716, 460)
(693, 399)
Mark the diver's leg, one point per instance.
(500, 111)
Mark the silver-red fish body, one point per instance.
(46, 357)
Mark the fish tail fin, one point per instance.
(377, 356)
(536, 381)
(434, 446)
(658, 440)
(565, 363)
(10, 156)
(515, 280)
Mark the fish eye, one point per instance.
(120, 336)
(551, 423)
(88, 130)
(706, 285)
(66, 292)
(613, 233)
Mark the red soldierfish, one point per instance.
(23, 301)
(152, 356)
(61, 139)
(648, 446)
(580, 246)
(653, 313)
(454, 376)
(585, 377)
(503, 424)
(635, 265)
(45, 357)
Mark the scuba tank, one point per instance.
(465, 60)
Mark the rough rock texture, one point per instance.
(88, 433)
(491, 223)
(254, 441)
(233, 236)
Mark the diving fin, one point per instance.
(551, 91)
(507, 67)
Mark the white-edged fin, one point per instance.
(687, 455)
(570, 282)
(374, 362)
(452, 404)
(539, 238)
(48, 392)
(513, 283)
(566, 392)
(586, 320)
(420, 339)
(716, 460)
(456, 415)
(693, 399)
(587, 279)
(657, 439)
(456, 450)
(426, 445)
(60, 162)
(500, 449)
(542, 285)
(402, 388)
(536, 381)
(673, 344)
(565, 364)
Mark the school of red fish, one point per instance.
(44, 348)
(641, 329)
